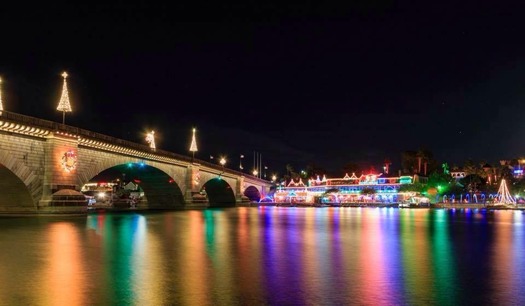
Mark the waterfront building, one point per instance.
(457, 174)
(349, 189)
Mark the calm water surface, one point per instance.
(266, 256)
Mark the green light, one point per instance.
(405, 180)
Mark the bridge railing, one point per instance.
(32, 121)
(55, 126)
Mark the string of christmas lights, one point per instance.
(64, 105)
(193, 146)
(504, 196)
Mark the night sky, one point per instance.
(299, 84)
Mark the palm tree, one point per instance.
(472, 168)
(387, 164)
(291, 173)
(408, 160)
(289, 169)
(420, 157)
(425, 157)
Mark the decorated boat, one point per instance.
(367, 188)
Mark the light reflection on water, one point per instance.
(265, 256)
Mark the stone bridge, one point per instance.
(44, 164)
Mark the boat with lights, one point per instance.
(365, 190)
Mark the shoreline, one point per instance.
(396, 205)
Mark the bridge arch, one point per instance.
(15, 194)
(161, 191)
(219, 193)
(19, 184)
(252, 193)
(95, 161)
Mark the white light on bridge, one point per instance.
(64, 105)
(150, 138)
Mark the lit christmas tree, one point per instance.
(504, 196)
(64, 105)
(193, 146)
(1, 105)
(150, 138)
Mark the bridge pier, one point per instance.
(241, 199)
(61, 192)
(192, 196)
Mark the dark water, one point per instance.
(266, 256)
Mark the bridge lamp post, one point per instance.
(255, 172)
(240, 162)
(222, 161)
(274, 178)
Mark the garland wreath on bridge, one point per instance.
(69, 161)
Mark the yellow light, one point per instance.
(64, 105)
(193, 145)
(150, 138)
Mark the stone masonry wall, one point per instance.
(24, 156)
